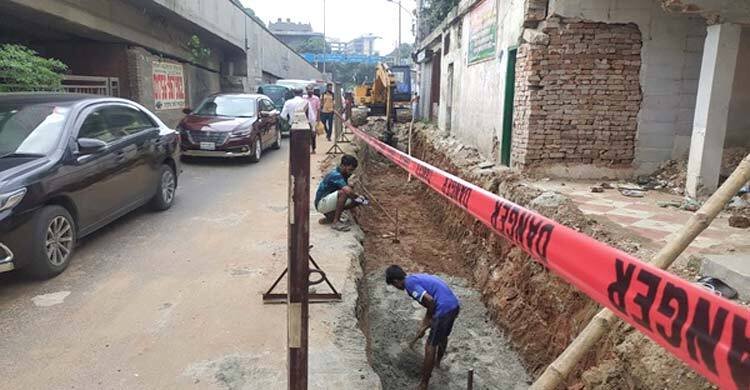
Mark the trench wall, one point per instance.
(540, 312)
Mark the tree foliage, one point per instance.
(198, 53)
(405, 50)
(434, 13)
(22, 69)
(352, 74)
(313, 46)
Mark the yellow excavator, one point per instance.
(389, 91)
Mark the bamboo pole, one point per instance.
(603, 321)
(411, 126)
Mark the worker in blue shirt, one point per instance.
(334, 194)
(442, 309)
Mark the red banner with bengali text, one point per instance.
(708, 332)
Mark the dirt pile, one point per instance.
(539, 312)
(671, 176)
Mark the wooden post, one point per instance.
(299, 269)
(556, 372)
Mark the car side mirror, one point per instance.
(88, 146)
(186, 111)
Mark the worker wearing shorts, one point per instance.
(334, 195)
(442, 310)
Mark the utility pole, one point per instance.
(325, 47)
(398, 50)
(298, 252)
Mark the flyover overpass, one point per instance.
(141, 48)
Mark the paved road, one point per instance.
(149, 301)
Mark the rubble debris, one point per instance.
(666, 204)
(717, 286)
(690, 204)
(486, 165)
(597, 189)
(630, 186)
(733, 269)
(738, 203)
(607, 186)
(671, 176)
(739, 221)
(633, 193)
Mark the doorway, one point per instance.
(510, 93)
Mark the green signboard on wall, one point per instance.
(482, 32)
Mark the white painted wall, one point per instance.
(671, 58)
(479, 89)
(738, 126)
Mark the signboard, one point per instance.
(169, 86)
(343, 58)
(482, 32)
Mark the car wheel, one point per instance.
(54, 240)
(166, 190)
(257, 151)
(277, 144)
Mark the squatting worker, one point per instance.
(314, 104)
(326, 110)
(442, 309)
(334, 194)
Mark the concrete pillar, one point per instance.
(712, 108)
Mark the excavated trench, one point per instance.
(516, 316)
(390, 318)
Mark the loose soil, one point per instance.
(538, 312)
(391, 318)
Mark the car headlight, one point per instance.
(241, 133)
(11, 199)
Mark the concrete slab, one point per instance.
(733, 270)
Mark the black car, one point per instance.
(71, 164)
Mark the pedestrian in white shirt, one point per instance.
(296, 111)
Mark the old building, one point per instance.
(293, 34)
(592, 88)
(164, 54)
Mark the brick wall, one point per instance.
(577, 94)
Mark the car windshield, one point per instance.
(236, 106)
(31, 129)
(276, 93)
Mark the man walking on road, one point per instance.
(326, 111)
(334, 194)
(296, 111)
(442, 309)
(314, 104)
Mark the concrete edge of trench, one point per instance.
(338, 357)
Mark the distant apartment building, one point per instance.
(364, 45)
(293, 34)
(337, 46)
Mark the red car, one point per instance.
(231, 125)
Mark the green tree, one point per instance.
(22, 69)
(313, 46)
(434, 13)
(405, 50)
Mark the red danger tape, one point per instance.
(706, 331)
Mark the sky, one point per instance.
(345, 19)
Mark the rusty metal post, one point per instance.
(470, 380)
(299, 269)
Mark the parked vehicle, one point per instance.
(277, 93)
(231, 125)
(69, 165)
